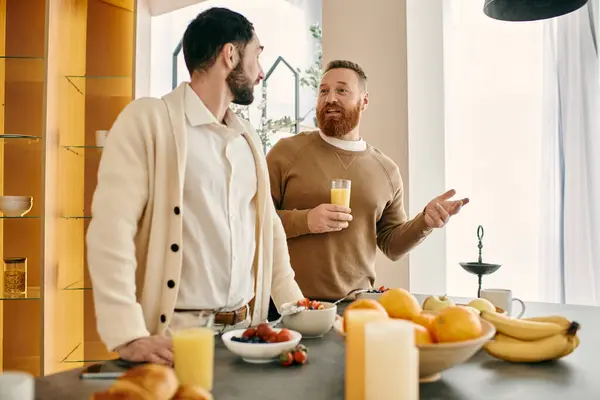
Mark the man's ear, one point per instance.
(365, 104)
(230, 55)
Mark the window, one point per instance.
(289, 30)
(494, 124)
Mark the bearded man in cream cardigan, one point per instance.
(183, 225)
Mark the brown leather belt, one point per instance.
(224, 317)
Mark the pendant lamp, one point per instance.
(529, 10)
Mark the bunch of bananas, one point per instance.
(531, 340)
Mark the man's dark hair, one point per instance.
(212, 29)
(345, 64)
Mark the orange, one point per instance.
(400, 303)
(422, 335)
(456, 324)
(425, 320)
(368, 304)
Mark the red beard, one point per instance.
(339, 124)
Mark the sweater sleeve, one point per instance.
(284, 288)
(396, 234)
(118, 203)
(295, 222)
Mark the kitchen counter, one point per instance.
(481, 378)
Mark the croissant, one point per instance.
(192, 392)
(144, 382)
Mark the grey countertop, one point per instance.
(574, 377)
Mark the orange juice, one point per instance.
(340, 197)
(194, 354)
(356, 320)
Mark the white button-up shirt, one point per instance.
(219, 212)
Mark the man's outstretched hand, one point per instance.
(439, 210)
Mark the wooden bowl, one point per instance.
(437, 357)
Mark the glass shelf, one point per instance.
(76, 355)
(79, 285)
(102, 86)
(78, 149)
(76, 217)
(23, 217)
(29, 138)
(33, 293)
(5, 57)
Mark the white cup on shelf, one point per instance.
(504, 299)
(15, 385)
(101, 138)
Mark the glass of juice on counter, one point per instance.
(194, 356)
(340, 192)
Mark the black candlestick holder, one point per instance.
(479, 268)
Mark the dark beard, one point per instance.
(240, 85)
(340, 126)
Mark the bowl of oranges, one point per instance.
(445, 338)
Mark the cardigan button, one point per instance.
(163, 318)
(174, 247)
(176, 210)
(171, 283)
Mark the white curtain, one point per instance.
(570, 253)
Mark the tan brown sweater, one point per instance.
(329, 265)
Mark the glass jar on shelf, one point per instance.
(15, 276)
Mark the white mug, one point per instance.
(502, 298)
(16, 386)
(101, 138)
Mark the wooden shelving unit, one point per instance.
(66, 70)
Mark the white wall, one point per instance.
(375, 37)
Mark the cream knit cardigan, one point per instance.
(134, 239)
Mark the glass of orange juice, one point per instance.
(340, 192)
(194, 356)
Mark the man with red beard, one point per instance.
(332, 248)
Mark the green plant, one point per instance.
(311, 77)
(266, 127)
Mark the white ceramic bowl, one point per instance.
(15, 206)
(15, 385)
(259, 353)
(312, 323)
(437, 357)
(367, 295)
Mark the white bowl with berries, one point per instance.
(315, 321)
(261, 344)
(372, 293)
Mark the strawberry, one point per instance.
(301, 347)
(271, 338)
(284, 335)
(303, 303)
(250, 332)
(300, 357)
(286, 359)
(263, 330)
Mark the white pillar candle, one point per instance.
(391, 361)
